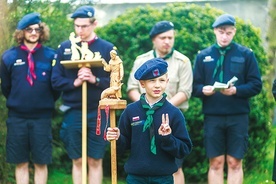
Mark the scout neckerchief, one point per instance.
(93, 40)
(31, 76)
(149, 121)
(219, 68)
(165, 57)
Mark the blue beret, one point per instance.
(151, 69)
(224, 20)
(161, 27)
(84, 12)
(29, 19)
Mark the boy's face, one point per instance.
(164, 42)
(84, 28)
(225, 35)
(155, 87)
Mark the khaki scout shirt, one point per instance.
(179, 72)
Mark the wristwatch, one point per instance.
(97, 81)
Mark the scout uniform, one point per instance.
(179, 68)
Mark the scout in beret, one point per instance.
(85, 23)
(162, 36)
(83, 39)
(26, 84)
(226, 109)
(153, 129)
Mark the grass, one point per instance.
(252, 177)
(58, 177)
(255, 177)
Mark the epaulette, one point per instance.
(180, 56)
(144, 55)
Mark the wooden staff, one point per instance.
(113, 105)
(84, 132)
(113, 149)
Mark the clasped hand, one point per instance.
(84, 74)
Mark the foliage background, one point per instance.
(129, 32)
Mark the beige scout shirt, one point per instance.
(179, 72)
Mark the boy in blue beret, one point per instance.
(26, 84)
(152, 129)
(226, 110)
(69, 81)
(180, 72)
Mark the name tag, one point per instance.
(208, 59)
(67, 52)
(19, 62)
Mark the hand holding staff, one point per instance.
(112, 133)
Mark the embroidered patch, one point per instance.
(67, 51)
(208, 59)
(155, 73)
(54, 62)
(19, 62)
(137, 123)
(136, 118)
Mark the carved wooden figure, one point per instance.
(110, 99)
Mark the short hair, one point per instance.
(92, 20)
(44, 34)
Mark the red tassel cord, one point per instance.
(107, 117)
(98, 127)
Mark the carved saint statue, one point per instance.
(116, 69)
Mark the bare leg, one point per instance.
(22, 173)
(95, 174)
(178, 176)
(41, 174)
(235, 171)
(77, 171)
(215, 174)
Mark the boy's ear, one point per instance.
(142, 83)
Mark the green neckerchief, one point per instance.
(166, 57)
(149, 121)
(219, 68)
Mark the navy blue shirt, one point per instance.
(63, 79)
(24, 100)
(240, 62)
(141, 160)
